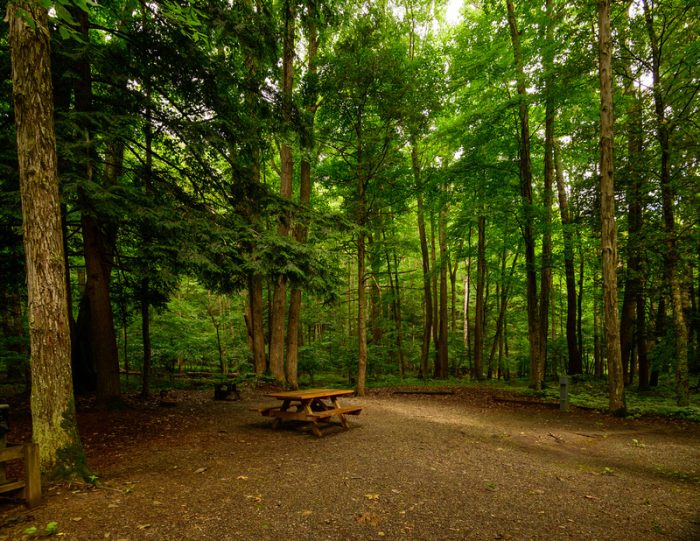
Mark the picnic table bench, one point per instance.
(310, 407)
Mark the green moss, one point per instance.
(71, 462)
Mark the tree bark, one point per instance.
(443, 338)
(547, 196)
(533, 317)
(279, 298)
(54, 426)
(668, 200)
(255, 299)
(575, 362)
(434, 279)
(98, 248)
(425, 258)
(608, 234)
(478, 370)
(301, 229)
(503, 305)
(361, 317)
(146, 339)
(467, 301)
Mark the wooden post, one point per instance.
(32, 474)
(4, 428)
(564, 393)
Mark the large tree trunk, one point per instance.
(608, 234)
(301, 230)
(255, 299)
(54, 426)
(575, 362)
(668, 200)
(533, 317)
(629, 320)
(279, 302)
(98, 250)
(478, 370)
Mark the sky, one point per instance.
(452, 13)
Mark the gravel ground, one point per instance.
(423, 467)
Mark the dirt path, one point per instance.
(413, 467)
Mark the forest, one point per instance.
(407, 188)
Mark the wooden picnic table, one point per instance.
(310, 406)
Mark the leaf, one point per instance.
(200, 470)
(368, 518)
(372, 496)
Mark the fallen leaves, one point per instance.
(368, 518)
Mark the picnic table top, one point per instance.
(309, 394)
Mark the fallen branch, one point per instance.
(425, 392)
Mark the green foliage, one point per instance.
(190, 93)
(49, 530)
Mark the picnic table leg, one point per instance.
(315, 429)
(278, 420)
(306, 405)
(343, 420)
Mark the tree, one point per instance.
(608, 234)
(525, 159)
(279, 299)
(53, 408)
(662, 87)
(365, 86)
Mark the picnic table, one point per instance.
(310, 406)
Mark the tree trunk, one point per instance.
(629, 320)
(398, 317)
(146, 339)
(453, 266)
(598, 371)
(436, 297)
(54, 426)
(608, 234)
(255, 298)
(425, 257)
(533, 317)
(361, 318)
(393, 275)
(301, 229)
(478, 370)
(279, 302)
(98, 249)
(668, 201)
(375, 294)
(547, 196)
(467, 299)
(443, 360)
(503, 304)
(575, 363)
